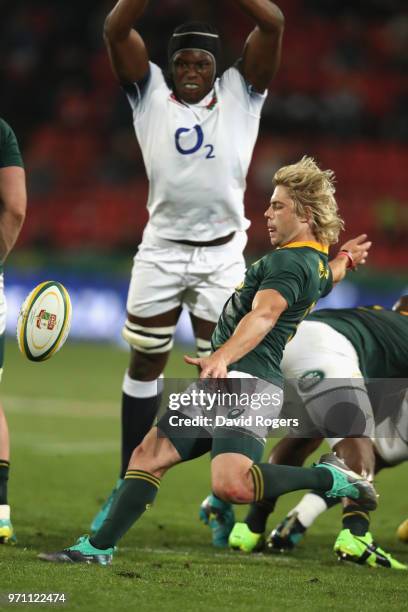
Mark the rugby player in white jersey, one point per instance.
(197, 132)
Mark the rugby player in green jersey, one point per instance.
(13, 200)
(259, 318)
(337, 355)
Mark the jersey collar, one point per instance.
(208, 102)
(307, 243)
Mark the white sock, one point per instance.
(141, 388)
(309, 508)
(4, 512)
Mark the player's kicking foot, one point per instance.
(219, 516)
(7, 535)
(347, 483)
(286, 535)
(104, 511)
(81, 552)
(364, 551)
(242, 538)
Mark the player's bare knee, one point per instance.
(236, 488)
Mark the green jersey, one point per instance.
(300, 272)
(379, 336)
(9, 151)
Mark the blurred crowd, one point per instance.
(341, 95)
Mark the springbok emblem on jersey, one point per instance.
(323, 271)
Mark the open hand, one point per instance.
(358, 249)
(213, 366)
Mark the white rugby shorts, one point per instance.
(318, 352)
(166, 275)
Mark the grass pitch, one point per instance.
(63, 417)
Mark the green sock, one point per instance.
(4, 474)
(355, 519)
(135, 495)
(258, 515)
(271, 481)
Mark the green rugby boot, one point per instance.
(219, 516)
(7, 535)
(347, 483)
(364, 551)
(242, 538)
(286, 535)
(81, 552)
(104, 511)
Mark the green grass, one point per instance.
(63, 416)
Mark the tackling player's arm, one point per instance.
(351, 254)
(126, 49)
(267, 306)
(262, 51)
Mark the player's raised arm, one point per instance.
(352, 253)
(126, 49)
(262, 51)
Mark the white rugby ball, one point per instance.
(44, 321)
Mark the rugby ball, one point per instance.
(44, 321)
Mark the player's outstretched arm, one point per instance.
(353, 253)
(262, 51)
(13, 201)
(267, 307)
(126, 49)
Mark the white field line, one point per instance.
(55, 407)
(228, 554)
(50, 445)
(44, 443)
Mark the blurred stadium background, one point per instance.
(341, 95)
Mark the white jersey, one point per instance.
(196, 156)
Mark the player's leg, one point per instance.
(214, 512)
(323, 398)
(163, 447)
(6, 529)
(224, 269)
(141, 389)
(359, 456)
(242, 482)
(288, 451)
(153, 308)
(150, 339)
(355, 542)
(149, 462)
(289, 532)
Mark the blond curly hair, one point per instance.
(313, 189)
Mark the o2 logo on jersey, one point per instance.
(197, 145)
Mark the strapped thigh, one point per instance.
(147, 339)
